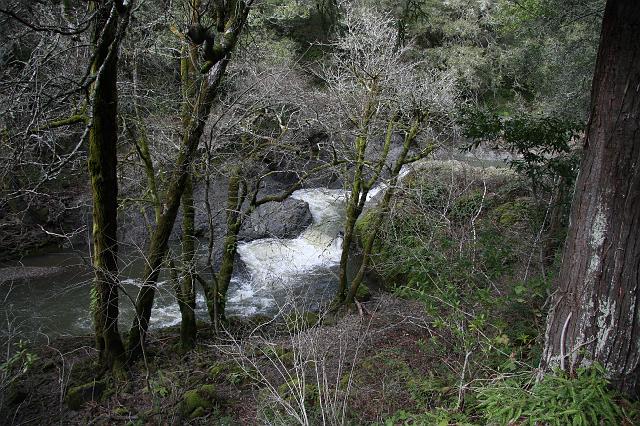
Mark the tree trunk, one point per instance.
(214, 69)
(595, 312)
(103, 138)
(160, 238)
(185, 291)
(381, 210)
(186, 294)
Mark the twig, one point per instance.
(563, 336)
(461, 389)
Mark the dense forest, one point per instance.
(344, 212)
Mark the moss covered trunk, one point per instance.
(185, 292)
(217, 294)
(160, 237)
(382, 208)
(359, 189)
(102, 162)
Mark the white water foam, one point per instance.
(273, 261)
(275, 264)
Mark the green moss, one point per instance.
(286, 356)
(198, 402)
(121, 411)
(363, 293)
(467, 206)
(231, 372)
(291, 389)
(79, 395)
(513, 212)
(364, 223)
(344, 381)
(299, 321)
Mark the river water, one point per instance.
(272, 273)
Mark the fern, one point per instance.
(585, 399)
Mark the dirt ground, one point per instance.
(353, 364)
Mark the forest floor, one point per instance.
(360, 360)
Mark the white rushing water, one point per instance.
(277, 265)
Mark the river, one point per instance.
(272, 273)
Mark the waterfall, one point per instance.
(276, 265)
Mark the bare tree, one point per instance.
(377, 94)
(216, 51)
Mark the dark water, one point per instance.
(271, 275)
(59, 304)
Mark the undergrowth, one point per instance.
(558, 399)
(470, 244)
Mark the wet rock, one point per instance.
(287, 219)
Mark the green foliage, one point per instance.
(543, 55)
(542, 143)
(437, 417)
(556, 400)
(20, 362)
(231, 372)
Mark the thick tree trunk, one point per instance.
(103, 138)
(595, 312)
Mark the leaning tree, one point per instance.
(595, 311)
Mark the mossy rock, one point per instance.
(79, 395)
(231, 372)
(198, 402)
(363, 293)
(301, 321)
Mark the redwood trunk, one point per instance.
(596, 306)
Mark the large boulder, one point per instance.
(286, 219)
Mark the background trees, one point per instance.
(187, 145)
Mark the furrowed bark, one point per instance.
(596, 306)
